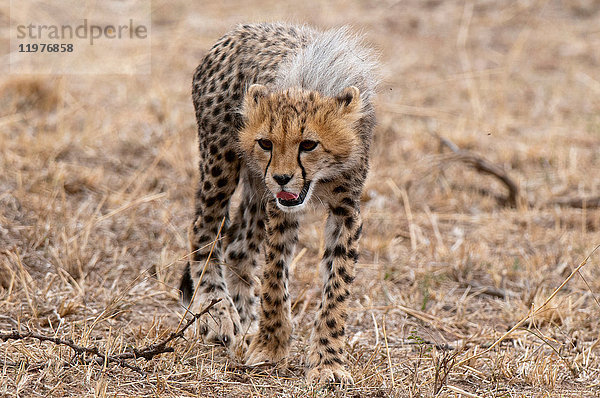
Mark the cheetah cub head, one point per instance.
(296, 138)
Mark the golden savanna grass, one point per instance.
(97, 177)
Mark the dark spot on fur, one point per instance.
(349, 222)
(353, 254)
(331, 323)
(347, 278)
(340, 211)
(358, 232)
(339, 251)
(210, 202)
(348, 201)
(230, 156)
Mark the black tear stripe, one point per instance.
(270, 152)
(268, 164)
(301, 167)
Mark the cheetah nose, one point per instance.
(282, 179)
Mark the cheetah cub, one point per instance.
(286, 113)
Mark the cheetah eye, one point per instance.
(266, 145)
(308, 145)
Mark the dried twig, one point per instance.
(152, 350)
(592, 202)
(443, 366)
(484, 166)
(147, 352)
(387, 349)
(79, 350)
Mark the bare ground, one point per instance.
(97, 175)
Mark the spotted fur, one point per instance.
(286, 114)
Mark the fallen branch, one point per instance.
(484, 166)
(79, 350)
(578, 202)
(147, 352)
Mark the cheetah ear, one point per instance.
(349, 100)
(255, 93)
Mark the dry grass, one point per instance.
(96, 191)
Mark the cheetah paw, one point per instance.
(259, 353)
(221, 325)
(327, 375)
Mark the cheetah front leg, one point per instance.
(244, 239)
(218, 180)
(275, 326)
(325, 358)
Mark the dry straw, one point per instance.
(97, 181)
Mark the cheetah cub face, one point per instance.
(295, 138)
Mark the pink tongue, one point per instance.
(287, 195)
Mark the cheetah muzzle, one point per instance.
(289, 201)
